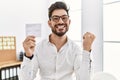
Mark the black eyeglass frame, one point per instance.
(56, 18)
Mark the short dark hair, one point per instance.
(57, 5)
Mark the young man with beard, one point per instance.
(57, 57)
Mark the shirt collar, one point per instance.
(48, 40)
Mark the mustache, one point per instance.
(60, 25)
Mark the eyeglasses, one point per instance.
(56, 18)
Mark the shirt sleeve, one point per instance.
(82, 66)
(28, 68)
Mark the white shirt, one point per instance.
(55, 65)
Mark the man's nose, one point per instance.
(60, 20)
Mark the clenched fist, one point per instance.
(88, 39)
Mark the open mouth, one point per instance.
(60, 26)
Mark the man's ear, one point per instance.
(69, 21)
(49, 23)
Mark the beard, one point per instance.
(60, 34)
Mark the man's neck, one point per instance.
(58, 41)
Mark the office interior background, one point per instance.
(102, 20)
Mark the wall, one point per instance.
(14, 14)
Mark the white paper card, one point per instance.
(33, 29)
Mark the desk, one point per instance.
(8, 68)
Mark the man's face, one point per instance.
(59, 22)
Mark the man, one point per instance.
(57, 57)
